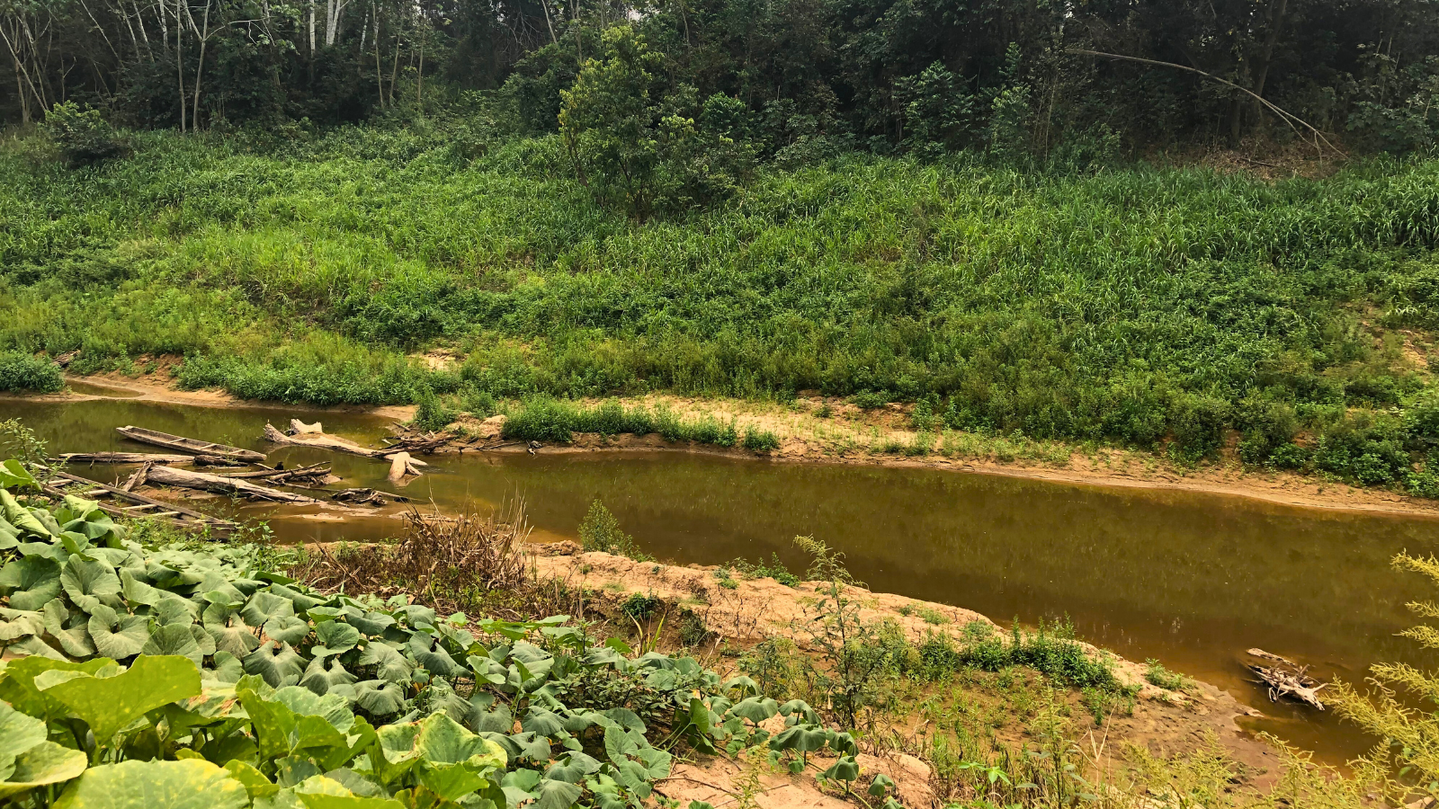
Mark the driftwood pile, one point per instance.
(1286, 679)
(259, 483)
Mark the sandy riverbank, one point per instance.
(814, 429)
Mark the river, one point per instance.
(1189, 579)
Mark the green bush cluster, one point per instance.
(138, 677)
(22, 372)
(83, 135)
(1050, 650)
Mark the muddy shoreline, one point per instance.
(799, 444)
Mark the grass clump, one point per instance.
(1156, 674)
(774, 569)
(22, 372)
(544, 418)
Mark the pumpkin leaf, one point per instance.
(186, 784)
(276, 663)
(107, 704)
(45, 763)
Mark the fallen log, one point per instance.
(189, 446)
(111, 498)
(330, 442)
(168, 476)
(1285, 679)
(138, 479)
(146, 457)
(311, 471)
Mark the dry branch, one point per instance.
(330, 442)
(167, 476)
(1285, 679)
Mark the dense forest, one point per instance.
(784, 78)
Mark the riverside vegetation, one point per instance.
(143, 667)
(1155, 307)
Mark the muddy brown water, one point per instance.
(1190, 579)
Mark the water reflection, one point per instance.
(1191, 579)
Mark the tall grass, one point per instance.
(1149, 306)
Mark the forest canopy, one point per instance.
(777, 79)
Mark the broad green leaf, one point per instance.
(119, 637)
(255, 782)
(19, 624)
(392, 665)
(31, 581)
(320, 678)
(75, 640)
(45, 763)
(17, 686)
(323, 792)
(287, 629)
(18, 733)
(379, 697)
(188, 784)
(800, 738)
(574, 769)
(756, 709)
(263, 606)
(107, 704)
(556, 795)
(138, 592)
(20, 517)
(14, 476)
(233, 637)
(174, 639)
(81, 577)
(335, 638)
(428, 652)
(845, 769)
(278, 664)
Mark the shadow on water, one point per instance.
(1188, 578)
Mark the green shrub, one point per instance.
(1157, 674)
(478, 403)
(1197, 425)
(83, 135)
(433, 415)
(22, 372)
(600, 531)
(760, 440)
(871, 399)
(640, 607)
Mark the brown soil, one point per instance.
(1165, 722)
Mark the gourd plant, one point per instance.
(139, 677)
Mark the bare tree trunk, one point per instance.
(545, 4)
(200, 67)
(1266, 58)
(379, 77)
(180, 61)
(395, 71)
(312, 29)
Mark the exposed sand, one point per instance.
(815, 429)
